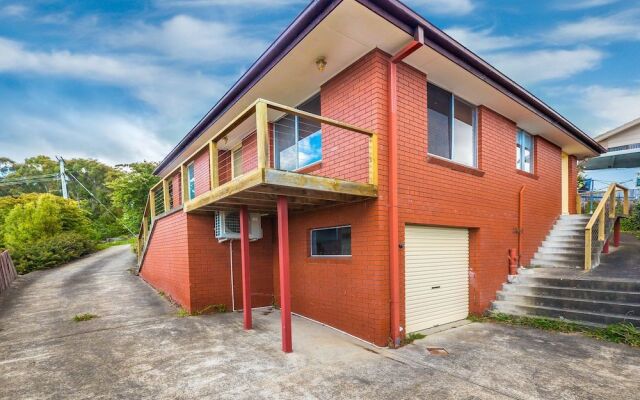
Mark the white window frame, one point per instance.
(191, 179)
(234, 173)
(532, 163)
(452, 131)
(327, 255)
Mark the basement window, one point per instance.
(452, 126)
(524, 151)
(331, 242)
(298, 140)
(191, 176)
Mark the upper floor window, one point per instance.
(236, 162)
(524, 151)
(452, 126)
(298, 140)
(191, 178)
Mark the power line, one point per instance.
(99, 202)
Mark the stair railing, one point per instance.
(601, 224)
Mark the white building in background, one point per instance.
(621, 162)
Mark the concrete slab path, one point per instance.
(139, 348)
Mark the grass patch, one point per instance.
(217, 308)
(623, 332)
(84, 317)
(106, 245)
(411, 337)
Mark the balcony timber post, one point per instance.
(373, 159)
(283, 258)
(165, 195)
(246, 267)
(184, 179)
(213, 165)
(262, 133)
(152, 204)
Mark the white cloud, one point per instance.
(582, 4)
(165, 89)
(112, 138)
(14, 10)
(483, 40)
(187, 38)
(451, 7)
(543, 65)
(237, 3)
(620, 26)
(612, 106)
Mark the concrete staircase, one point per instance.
(566, 294)
(564, 245)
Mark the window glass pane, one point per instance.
(310, 149)
(463, 133)
(192, 181)
(439, 120)
(524, 149)
(331, 241)
(237, 162)
(285, 132)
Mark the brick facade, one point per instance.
(352, 294)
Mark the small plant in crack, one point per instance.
(84, 317)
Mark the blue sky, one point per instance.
(123, 81)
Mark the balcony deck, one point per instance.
(259, 189)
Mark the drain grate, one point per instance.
(437, 351)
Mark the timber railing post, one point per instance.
(152, 204)
(612, 204)
(373, 159)
(262, 133)
(165, 196)
(602, 224)
(625, 204)
(184, 178)
(587, 249)
(578, 203)
(213, 165)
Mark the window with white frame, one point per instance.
(298, 140)
(452, 126)
(236, 162)
(524, 151)
(191, 178)
(335, 241)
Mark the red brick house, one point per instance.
(380, 173)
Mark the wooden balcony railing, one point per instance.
(605, 215)
(355, 153)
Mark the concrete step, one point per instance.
(531, 277)
(575, 217)
(573, 293)
(572, 304)
(554, 264)
(561, 234)
(512, 308)
(559, 251)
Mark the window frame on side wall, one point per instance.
(337, 228)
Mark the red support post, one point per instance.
(605, 248)
(246, 266)
(283, 257)
(616, 233)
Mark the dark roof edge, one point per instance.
(405, 19)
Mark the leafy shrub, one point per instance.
(52, 251)
(632, 223)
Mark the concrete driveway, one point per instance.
(139, 348)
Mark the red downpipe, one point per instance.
(394, 241)
(520, 208)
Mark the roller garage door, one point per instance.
(436, 276)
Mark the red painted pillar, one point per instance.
(246, 266)
(605, 248)
(283, 256)
(616, 233)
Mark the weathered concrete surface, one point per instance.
(139, 348)
(622, 262)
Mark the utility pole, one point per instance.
(63, 178)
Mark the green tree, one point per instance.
(129, 191)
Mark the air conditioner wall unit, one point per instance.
(227, 225)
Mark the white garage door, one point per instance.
(436, 276)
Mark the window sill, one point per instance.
(443, 162)
(527, 174)
(329, 259)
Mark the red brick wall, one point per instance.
(176, 184)
(350, 294)
(186, 261)
(166, 263)
(485, 199)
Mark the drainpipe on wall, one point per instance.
(520, 208)
(394, 241)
